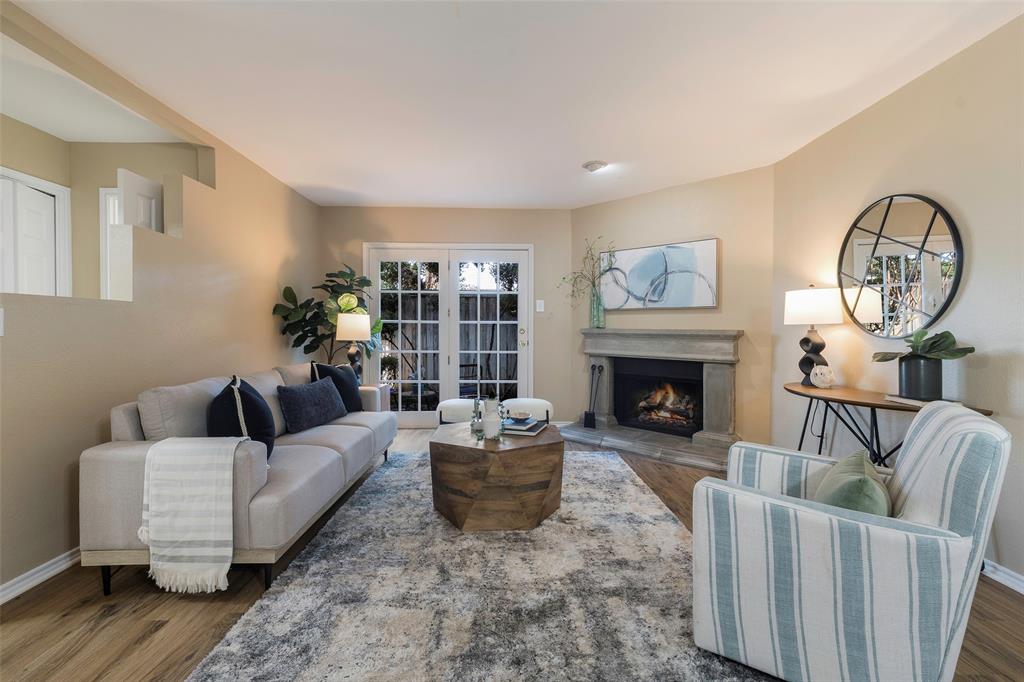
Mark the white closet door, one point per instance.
(7, 259)
(35, 240)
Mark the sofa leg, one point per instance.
(105, 575)
(385, 455)
(268, 575)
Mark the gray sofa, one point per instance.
(274, 502)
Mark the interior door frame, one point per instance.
(527, 384)
(62, 222)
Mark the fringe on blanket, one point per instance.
(208, 580)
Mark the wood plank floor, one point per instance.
(65, 629)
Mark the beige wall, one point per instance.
(346, 228)
(202, 307)
(955, 134)
(94, 165)
(738, 210)
(31, 151)
(85, 167)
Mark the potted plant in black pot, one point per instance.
(921, 366)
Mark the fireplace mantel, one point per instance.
(717, 349)
(699, 345)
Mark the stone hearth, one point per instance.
(718, 351)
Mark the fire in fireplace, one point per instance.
(659, 395)
(664, 406)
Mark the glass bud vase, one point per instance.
(596, 308)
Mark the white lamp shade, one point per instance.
(813, 306)
(353, 327)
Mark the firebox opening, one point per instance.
(659, 395)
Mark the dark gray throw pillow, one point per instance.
(345, 380)
(309, 405)
(239, 410)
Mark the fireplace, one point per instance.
(679, 385)
(659, 395)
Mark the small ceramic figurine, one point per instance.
(822, 376)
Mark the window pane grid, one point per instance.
(488, 329)
(409, 308)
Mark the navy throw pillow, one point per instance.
(309, 405)
(239, 410)
(344, 378)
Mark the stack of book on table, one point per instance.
(530, 427)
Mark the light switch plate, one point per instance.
(540, 305)
(1, 321)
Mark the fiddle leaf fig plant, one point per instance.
(312, 323)
(941, 346)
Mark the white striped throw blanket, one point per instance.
(187, 512)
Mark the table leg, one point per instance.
(803, 431)
(875, 451)
(824, 421)
(891, 453)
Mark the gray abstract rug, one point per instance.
(389, 590)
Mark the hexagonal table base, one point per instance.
(511, 484)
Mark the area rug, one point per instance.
(390, 590)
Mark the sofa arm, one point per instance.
(111, 478)
(802, 590)
(376, 398)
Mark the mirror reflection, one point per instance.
(79, 173)
(900, 265)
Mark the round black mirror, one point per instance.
(900, 265)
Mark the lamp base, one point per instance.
(812, 344)
(355, 360)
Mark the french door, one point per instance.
(455, 323)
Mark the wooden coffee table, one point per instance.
(511, 484)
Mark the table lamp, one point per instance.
(354, 327)
(812, 306)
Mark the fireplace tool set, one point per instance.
(589, 420)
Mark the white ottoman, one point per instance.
(541, 409)
(455, 410)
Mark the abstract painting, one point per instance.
(683, 275)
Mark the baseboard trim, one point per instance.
(26, 581)
(1015, 581)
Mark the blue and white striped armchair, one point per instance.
(807, 591)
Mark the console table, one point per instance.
(846, 397)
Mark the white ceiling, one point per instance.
(497, 104)
(36, 92)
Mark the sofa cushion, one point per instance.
(383, 426)
(125, 422)
(178, 411)
(345, 380)
(266, 384)
(294, 374)
(300, 481)
(309, 405)
(353, 443)
(239, 410)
